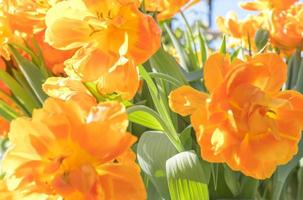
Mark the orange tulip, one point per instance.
(287, 29)
(246, 121)
(27, 18)
(75, 152)
(243, 30)
(166, 9)
(112, 36)
(283, 23)
(268, 4)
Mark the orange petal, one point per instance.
(90, 62)
(67, 89)
(185, 100)
(53, 58)
(143, 32)
(122, 179)
(266, 71)
(110, 82)
(66, 27)
(263, 161)
(294, 111)
(112, 118)
(215, 70)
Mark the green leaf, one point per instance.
(20, 78)
(261, 38)
(18, 91)
(191, 53)
(232, 180)
(217, 187)
(184, 60)
(164, 63)
(152, 192)
(235, 54)
(194, 75)
(299, 84)
(167, 78)
(42, 64)
(32, 74)
(203, 47)
(294, 71)
(154, 148)
(29, 51)
(186, 137)
(7, 112)
(300, 183)
(144, 116)
(249, 187)
(191, 44)
(283, 171)
(186, 178)
(223, 45)
(162, 109)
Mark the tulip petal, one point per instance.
(185, 100)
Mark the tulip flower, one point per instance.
(75, 152)
(112, 38)
(27, 19)
(245, 121)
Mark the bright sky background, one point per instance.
(220, 8)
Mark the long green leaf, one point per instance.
(249, 187)
(294, 64)
(223, 45)
(154, 148)
(186, 178)
(184, 60)
(164, 63)
(166, 77)
(203, 47)
(192, 48)
(7, 112)
(18, 91)
(162, 109)
(232, 180)
(300, 183)
(32, 74)
(22, 81)
(42, 64)
(299, 84)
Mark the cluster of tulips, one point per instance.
(93, 107)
